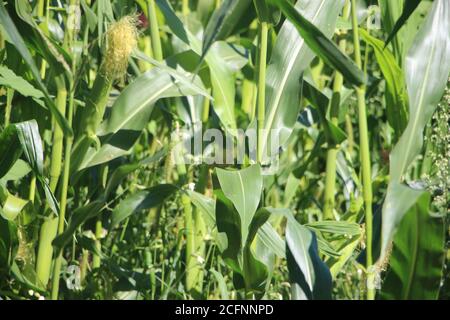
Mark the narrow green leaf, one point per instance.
(408, 10)
(427, 70)
(396, 94)
(78, 217)
(10, 149)
(16, 39)
(30, 140)
(223, 22)
(9, 79)
(142, 200)
(290, 58)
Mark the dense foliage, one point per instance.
(335, 184)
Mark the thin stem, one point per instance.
(364, 155)
(205, 112)
(66, 173)
(190, 242)
(330, 180)
(40, 8)
(96, 261)
(63, 202)
(32, 192)
(263, 35)
(154, 30)
(248, 94)
(84, 265)
(58, 135)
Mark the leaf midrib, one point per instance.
(418, 111)
(142, 105)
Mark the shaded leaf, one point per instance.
(16, 39)
(290, 58)
(418, 255)
(142, 200)
(427, 70)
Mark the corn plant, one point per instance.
(224, 149)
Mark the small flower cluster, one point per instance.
(438, 180)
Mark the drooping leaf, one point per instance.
(19, 170)
(12, 207)
(396, 94)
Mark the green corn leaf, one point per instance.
(9, 79)
(310, 277)
(418, 255)
(10, 149)
(16, 39)
(408, 10)
(78, 217)
(290, 58)
(244, 189)
(396, 94)
(427, 70)
(223, 21)
(12, 207)
(221, 75)
(31, 143)
(19, 170)
(130, 114)
(142, 200)
(326, 49)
